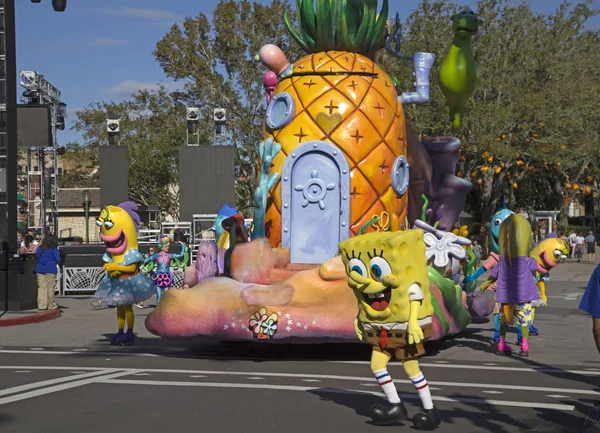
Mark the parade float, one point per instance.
(337, 160)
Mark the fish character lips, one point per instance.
(378, 301)
(549, 263)
(116, 244)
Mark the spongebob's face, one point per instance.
(117, 230)
(381, 267)
(550, 252)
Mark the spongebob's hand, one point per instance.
(415, 333)
(358, 330)
(485, 285)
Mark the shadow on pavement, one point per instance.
(6, 419)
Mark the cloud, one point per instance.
(143, 13)
(106, 42)
(72, 113)
(128, 87)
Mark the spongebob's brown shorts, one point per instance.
(397, 343)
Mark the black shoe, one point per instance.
(427, 420)
(385, 415)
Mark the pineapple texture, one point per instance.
(361, 115)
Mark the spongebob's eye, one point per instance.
(380, 267)
(99, 223)
(109, 225)
(357, 266)
(557, 253)
(497, 221)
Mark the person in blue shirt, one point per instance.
(590, 303)
(46, 269)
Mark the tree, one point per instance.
(80, 167)
(216, 62)
(153, 126)
(530, 113)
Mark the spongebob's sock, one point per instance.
(120, 317)
(387, 384)
(422, 387)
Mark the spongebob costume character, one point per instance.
(388, 273)
(125, 285)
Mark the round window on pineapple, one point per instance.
(280, 111)
(400, 176)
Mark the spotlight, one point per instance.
(112, 125)
(192, 114)
(59, 5)
(220, 115)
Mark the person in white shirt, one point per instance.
(579, 241)
(572, 241)
(33, 243)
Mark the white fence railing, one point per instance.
(83, 280)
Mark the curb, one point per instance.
(33, 318)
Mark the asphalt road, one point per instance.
(197, 385)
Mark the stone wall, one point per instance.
(70, 226)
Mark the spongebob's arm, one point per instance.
(415, 296)
(487, 283)
(358, 329)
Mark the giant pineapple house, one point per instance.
(341, 126)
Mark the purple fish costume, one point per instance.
(515, 281)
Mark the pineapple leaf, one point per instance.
(378, 29)
(342, 37)
(353, 15)
(361, 34)
(325, 31)
(372, 23)
(307, 20)
(297, 36)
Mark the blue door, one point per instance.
(315, 214)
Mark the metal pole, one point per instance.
(42, 161)
(55, 168)
(87, 222)
(11, 123)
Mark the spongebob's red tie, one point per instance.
(383, 339)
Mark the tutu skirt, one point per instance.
(125, 291)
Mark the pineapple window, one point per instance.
(400, 176)
(280, 111)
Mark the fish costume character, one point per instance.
(548, 253)
(388, 273)
(124, 285)
(162, 276)
(516, 286)
(491, 262)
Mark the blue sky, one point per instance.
(102, 49)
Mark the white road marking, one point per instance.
(442, 362)
(23, 371)
(63, 386)
(76, 372)
(37, 348)
(321, 376)
(50, 382)
(493, 392)
(482, 367)
(142, 374)
(198, 376)
(369, 384)
(56, 367)
(80, 350)
(73, 352)
(254, 387)
(489, 363)
(310, 380)
(557, 396)
(255, 378)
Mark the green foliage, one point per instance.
(535, 100)
(152, 127)
(216, 63)
(339, 25)
(80, 167)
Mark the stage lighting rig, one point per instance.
(58, 5)
(113, 128)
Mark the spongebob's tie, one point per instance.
(383, 339)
